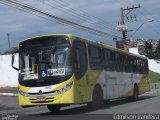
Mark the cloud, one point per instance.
(86, 12)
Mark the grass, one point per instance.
(154, 77)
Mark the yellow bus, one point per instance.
(60, 70)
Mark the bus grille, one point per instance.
(47, 100)
(42, 93)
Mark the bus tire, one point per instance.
(54, 108)
(97, 98)
(135, 93)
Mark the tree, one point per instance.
(158, 51)
(148, 49)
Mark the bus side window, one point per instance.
(112, 60)
(95, 57)
(120, 62)
(125, 63)
(117, 62)
(140, 67)
(107, 59)
(146, 66)
(77, 59)
(80, 58)
(135, 65)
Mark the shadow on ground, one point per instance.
(2, 107)
(85, 109)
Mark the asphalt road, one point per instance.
(147, 104)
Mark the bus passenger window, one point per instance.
(77, 60)
(112, 61)
(80, 58)
(107, 59)
(95, 57)
(146, 66)
(117, 61)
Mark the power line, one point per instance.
(125, 2)
(141, 16)
(29, 8)
(71, 12)
(82, 12)
(67, 7)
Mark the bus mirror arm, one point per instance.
(13, 60)
(15, 68)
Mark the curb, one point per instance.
(8, 94)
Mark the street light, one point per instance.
(9, 43)
(151, 20)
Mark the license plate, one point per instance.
(41, 99)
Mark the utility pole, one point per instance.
(9, 43)
(124, 15)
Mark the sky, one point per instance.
(102, 15)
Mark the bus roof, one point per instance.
(68, 35)
(105, 45)
(100, 44)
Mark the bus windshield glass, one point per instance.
(42, 62)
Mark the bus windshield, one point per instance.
(45, 62)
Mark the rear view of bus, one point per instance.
(45, 72)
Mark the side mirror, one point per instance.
(13, 60)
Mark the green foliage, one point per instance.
(154, 77)
(158, 51)
(149, 51)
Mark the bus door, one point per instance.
(80, 68)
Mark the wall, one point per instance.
(8, 76)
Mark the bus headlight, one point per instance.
(66, 88)
(23, 93)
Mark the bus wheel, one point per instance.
(97, 98)
(54, 108)
(135, 93)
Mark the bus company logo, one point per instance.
(59, 71)
(55, 72)
(40, 92)
(50, 72)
